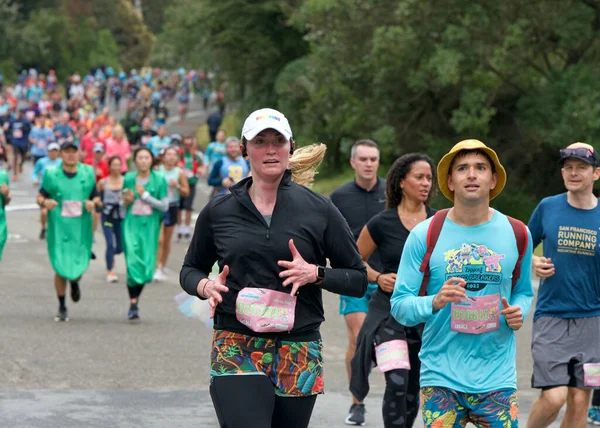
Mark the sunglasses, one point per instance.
(579, 152)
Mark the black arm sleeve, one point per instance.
(94, 193)
(201, 255)
(44, 193)
(349, 274)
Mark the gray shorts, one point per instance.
(560, 347)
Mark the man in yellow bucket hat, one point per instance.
(460, 274)
(566, 324)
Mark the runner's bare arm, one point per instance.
(183, 182)
(366, 247)
(5, 192)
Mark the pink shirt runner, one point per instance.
(121, 149)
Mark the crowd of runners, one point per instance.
(102, 158)
(431, 297)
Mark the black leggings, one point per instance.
(135, 291)
(250, 401)
(596, 398)
(402, 388)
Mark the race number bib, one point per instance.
(141, 208)
(476, 314)
(71, 209)
(392, 355)
(17, 133)
(42, 144)
(591, 374)
(171, 193)
(188, 173)
(145, 139)
(265, 311)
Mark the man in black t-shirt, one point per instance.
(358, 201)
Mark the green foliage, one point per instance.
(71, 35)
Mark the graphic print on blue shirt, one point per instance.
(475, 263)
(470, 363)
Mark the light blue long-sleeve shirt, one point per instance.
(485, 256)
(41, 166)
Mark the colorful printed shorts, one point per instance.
(445, 408)
(294, 368)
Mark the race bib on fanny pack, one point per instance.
(265, 311)
(71, 209)
(476, 314)
(392, 355)
(141, 208)
(591, 374)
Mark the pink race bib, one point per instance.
(17, 133)
(265, 311)
(71, 209)
(591, 374)
(392, 355)
(141, 208)
(476, 314)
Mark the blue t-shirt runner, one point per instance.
(234, 169)
(570, 239)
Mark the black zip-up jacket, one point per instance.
(230, 230)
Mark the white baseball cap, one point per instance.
(53, 146)
(266, 118)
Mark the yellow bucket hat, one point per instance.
(444, 167)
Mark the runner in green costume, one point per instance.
(4, 200)
(145, 193)
(69, 193)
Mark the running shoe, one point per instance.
(133, 313)
(112, 277)
(594, 416)
(159, 275)
(62, 315)
(356, 415)
(75, 291)
(43, 234)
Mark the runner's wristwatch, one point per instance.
(320, 273)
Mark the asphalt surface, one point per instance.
(99, 370)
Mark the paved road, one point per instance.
(98, 370)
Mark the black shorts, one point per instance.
(22, 150)
(187, 203)
(171, 215)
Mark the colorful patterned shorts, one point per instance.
(445, 408)
(294, 368)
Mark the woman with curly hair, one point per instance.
(408, 191)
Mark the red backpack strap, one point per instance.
(433, 233)
(522, 238)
